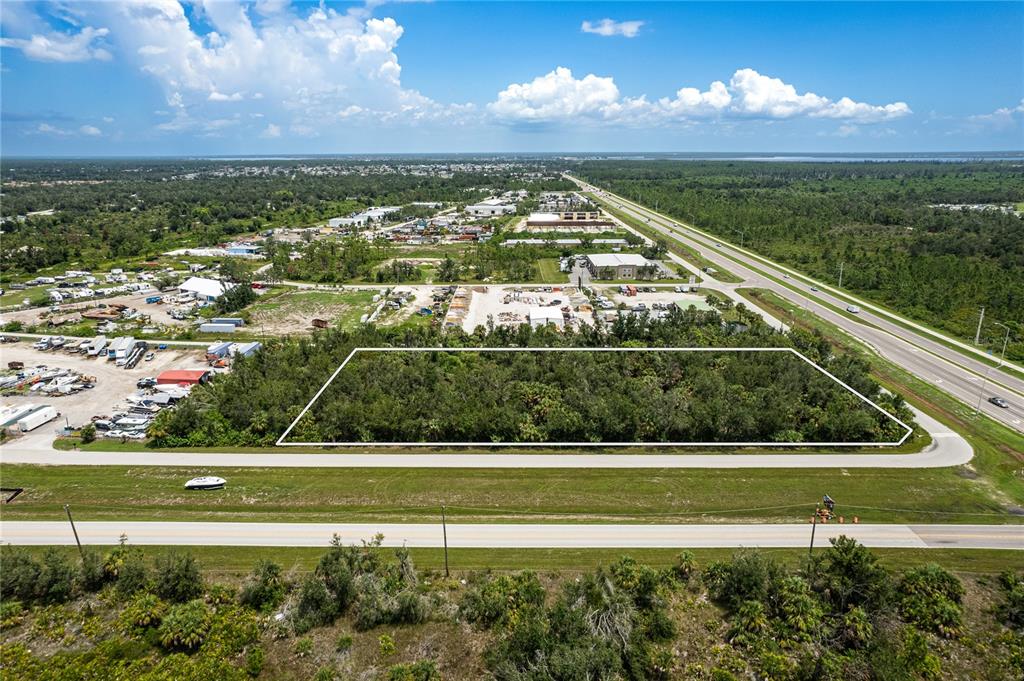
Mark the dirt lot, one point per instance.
(113, 384)
(489, 301)
(158, 313)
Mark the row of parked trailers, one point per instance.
(27, 417)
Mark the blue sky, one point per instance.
(277, 77)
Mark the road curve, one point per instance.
(947, 449)
(428, 535)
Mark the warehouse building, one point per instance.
(616, 265)
(204, 289)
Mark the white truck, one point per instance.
(37, 418)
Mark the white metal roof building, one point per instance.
(622, 265)
(540, 316)
(204, 289)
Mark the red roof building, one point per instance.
(183, 376)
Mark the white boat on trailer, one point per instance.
(206, 482)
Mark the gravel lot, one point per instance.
(113, 384)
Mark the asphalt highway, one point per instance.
(957, 372)
(513, 535)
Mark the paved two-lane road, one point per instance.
(513, 535)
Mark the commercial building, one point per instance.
(367, 216)
(204, 289)
(490, 208)
(542, 316)
(616, 265)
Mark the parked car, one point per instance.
(147, 382)
(150, 356)
(999, 402)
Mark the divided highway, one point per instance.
(917, 351)
(513, 535)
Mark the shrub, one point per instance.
(186, 625)
(91, 573)
(264, 589)
(325, 673)
(344, 644)
(254, 662)
(19, 575)
(387, 645)
(132, 575)
(335, 571)
(88, 434)
(850, 575)
(640, 581)
(1011, 611)
(316, 606)
(496, 599)
(11, 613)
(56, 578)
(303, 647)
(144, 611)
(749, 576)
(421, 670)
(684, 567)
(929, 598)
(411, 608)
(178, 578)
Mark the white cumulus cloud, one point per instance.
(561, 96)
(90, 130)
(610, 27)
(556, 95)
(271, 131)
(62, 47)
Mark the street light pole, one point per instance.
(977, 334)
(841, 265)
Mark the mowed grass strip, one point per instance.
(499, 495)
(232, 563)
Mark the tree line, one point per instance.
(602, 396)
(837, 615)
(880, 222)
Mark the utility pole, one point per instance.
(977, 334)
(81, 552)
(444, 528)
(841, 265)
(814, 525)
(981, 392)
(1006, 339)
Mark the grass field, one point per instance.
(493, 495)
(548, 272)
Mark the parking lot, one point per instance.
(112, 386)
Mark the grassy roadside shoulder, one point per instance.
(998, 451)
(234, 562)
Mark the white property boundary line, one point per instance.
(281, 443)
